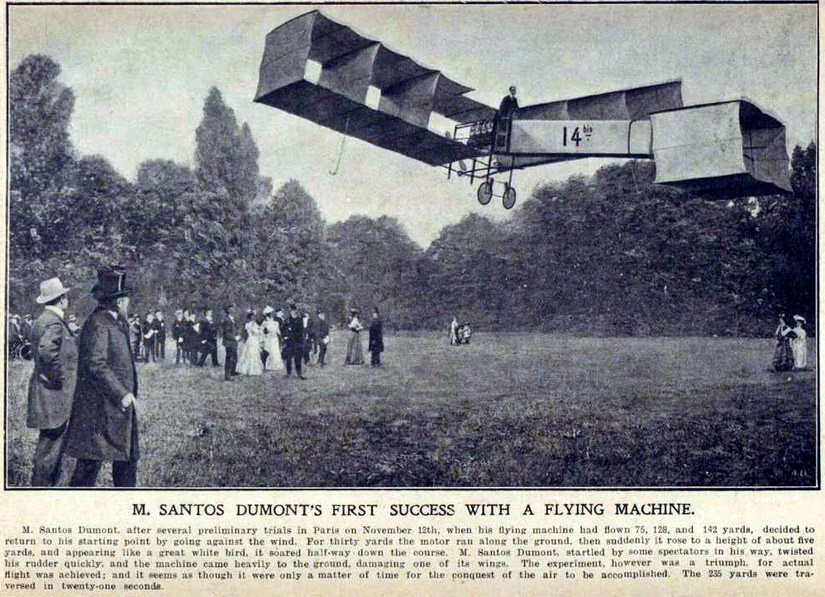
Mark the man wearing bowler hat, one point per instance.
(103, 424)
(52, 383)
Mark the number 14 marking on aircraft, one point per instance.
(576, 136)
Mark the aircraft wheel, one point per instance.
(509, 198)
(485, 192)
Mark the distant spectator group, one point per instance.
(265, 340)
(791, 350)
(460, 333)
(260, 341)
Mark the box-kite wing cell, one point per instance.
(325, 72)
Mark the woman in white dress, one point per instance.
(454, 332)
(355, 352)
(249, 362)
(799, 343)
(271, 332)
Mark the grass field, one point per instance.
(524, 410)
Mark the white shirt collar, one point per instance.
(56, 310)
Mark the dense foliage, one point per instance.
(611, 254)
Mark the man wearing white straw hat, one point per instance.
(52, 383)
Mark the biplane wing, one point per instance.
(324, 71)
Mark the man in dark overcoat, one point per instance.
(103, 424)
(294, 334)
(376, 344)
(52, 384)
(231, 336)
(208, 338)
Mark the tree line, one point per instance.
(608, 254)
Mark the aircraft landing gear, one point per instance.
(485, 194)
(508, 200)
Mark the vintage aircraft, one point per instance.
(324, 71)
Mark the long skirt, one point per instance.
(249, 361)
(782, 355)
(799, 348)
(355, 353)
(274, 362)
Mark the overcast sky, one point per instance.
(140, 76)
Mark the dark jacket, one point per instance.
(190, 336)
(98, 428)
(321, 329)
(508, 106)
(376, 343)
(293, 336)
(229, 328)
(208, 338)
(146, 329)
(160, 329)
(179, 331)
(52, 384)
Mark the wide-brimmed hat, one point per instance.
(267, 310)
(799, 318)
(111, 283)
(50, 289)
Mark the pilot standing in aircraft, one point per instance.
(508, 105)
(506, 112)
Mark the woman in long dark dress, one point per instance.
(355, 353)
(782, 354)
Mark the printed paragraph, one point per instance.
(85, 558)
